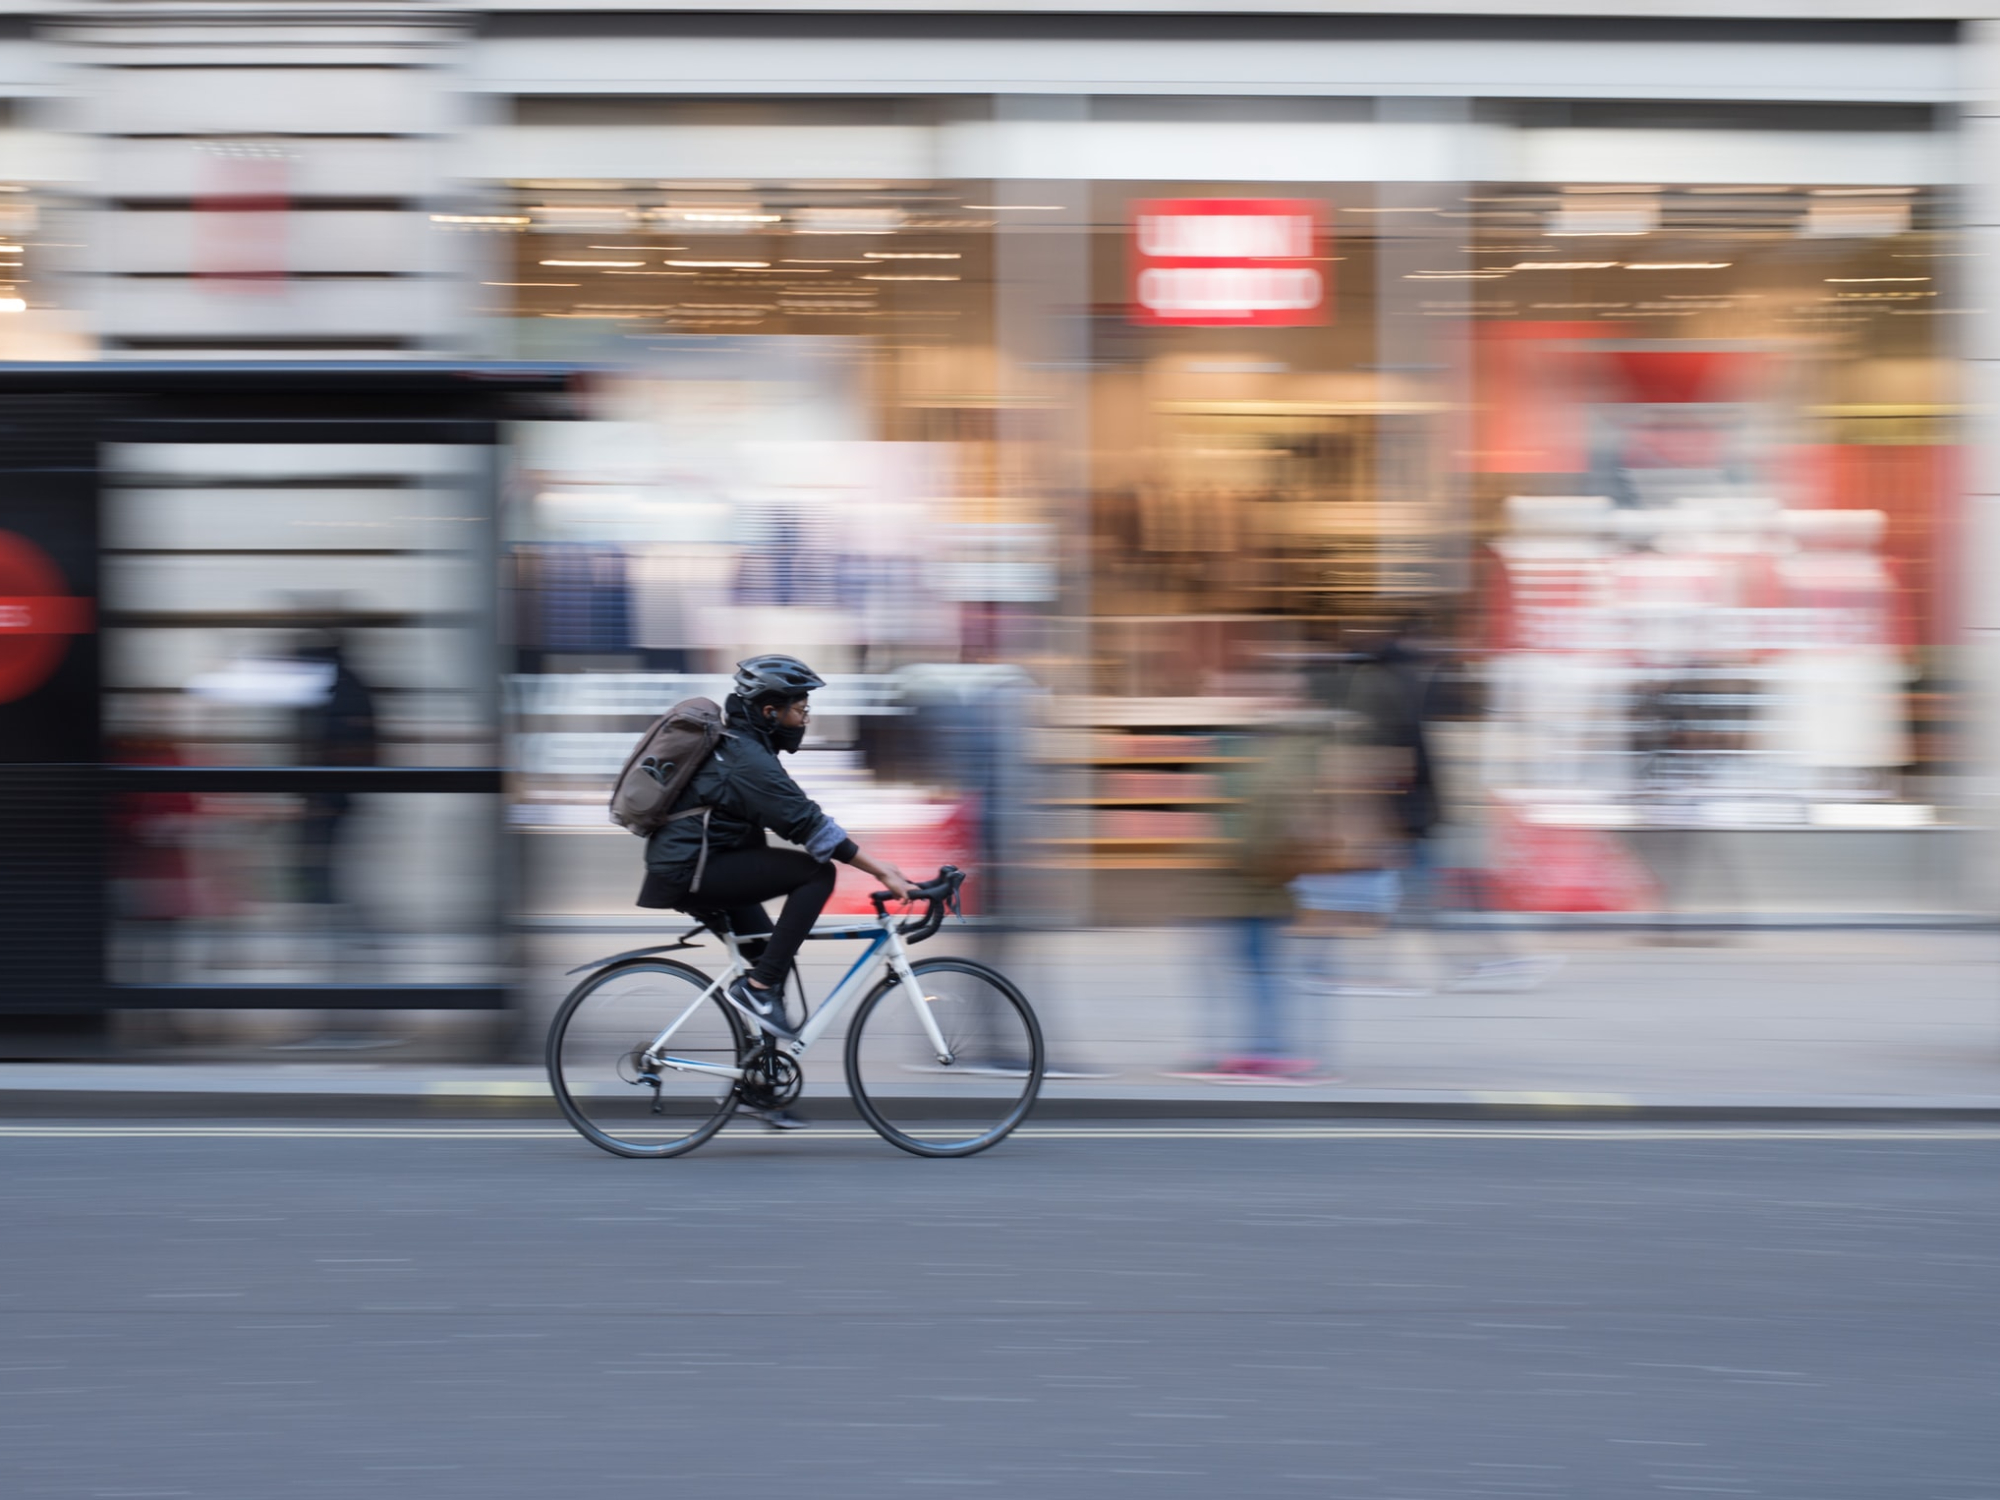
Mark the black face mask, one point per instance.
(784, 741)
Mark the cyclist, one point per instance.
(748, 791)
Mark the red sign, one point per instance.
(1230, 262)
(36, 613)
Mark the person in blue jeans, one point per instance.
(1278, 819)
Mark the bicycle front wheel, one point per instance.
(977, 1094)
(612, 1092)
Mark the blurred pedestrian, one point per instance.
(336, 726)
(1402, 682)
(1303, 810)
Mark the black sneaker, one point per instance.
(765, 1007)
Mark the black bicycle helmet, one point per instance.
(763, 677)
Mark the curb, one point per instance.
(510, 1103)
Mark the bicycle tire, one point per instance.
(596, 1062)
(892, 1112)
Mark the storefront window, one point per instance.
(1660, 467)
(1712, 460)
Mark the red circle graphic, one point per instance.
(37, 615)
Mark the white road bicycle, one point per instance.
(944, 1055)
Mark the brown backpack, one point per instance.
(661, 767)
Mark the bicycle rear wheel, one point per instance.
(937, 1108)
(594, 1058)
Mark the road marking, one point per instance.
(1666, 1131)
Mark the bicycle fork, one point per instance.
(899, 965)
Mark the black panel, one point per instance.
(51, 804)
(307, 997)
(167, 381)
(306, 779)
(48, 509)
(51, 889)
(301, 430)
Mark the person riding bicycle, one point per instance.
(748, 792)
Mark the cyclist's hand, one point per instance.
(897, 883)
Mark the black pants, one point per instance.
(739, 881)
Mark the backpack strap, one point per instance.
(701, 861)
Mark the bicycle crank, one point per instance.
(771, 1079)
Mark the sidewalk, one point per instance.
(1828, 1024)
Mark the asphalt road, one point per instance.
(1392, 1314)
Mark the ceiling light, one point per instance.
(720, 265)
(1563, 265)
(909, 278)
(592, 263)
(479, 219)
(1021, 208)
(13, 304)
(913, 255)
(1678, 265)
(1877, 278)
(531, 283)
(846, 220)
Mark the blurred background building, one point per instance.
(1631, 354)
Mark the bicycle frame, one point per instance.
(885, 948)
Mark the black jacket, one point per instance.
(749, 792)
(1398, 693)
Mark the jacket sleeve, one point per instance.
(769, 796)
